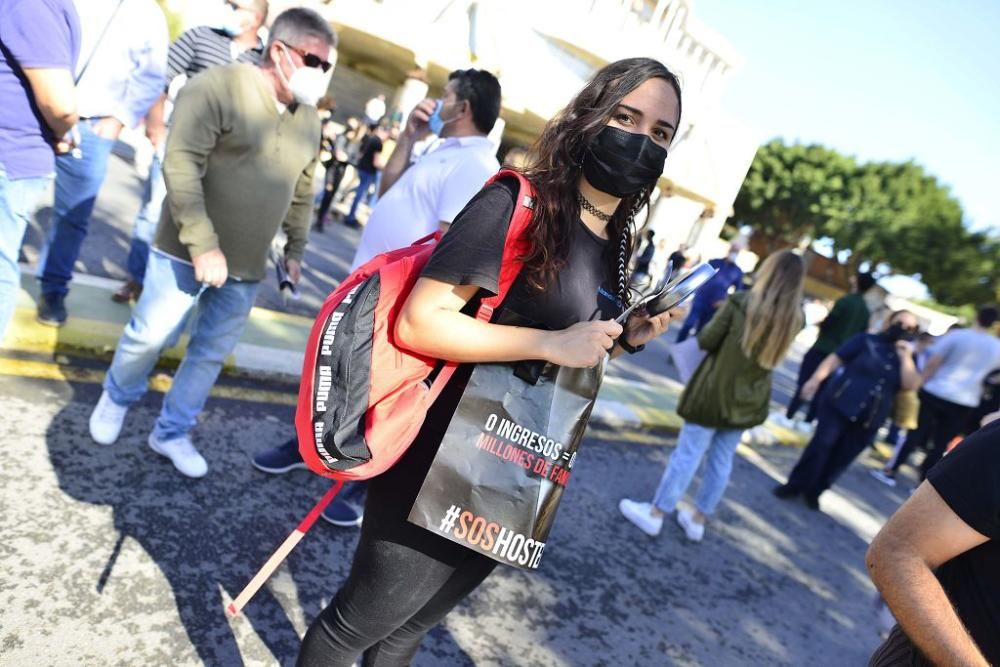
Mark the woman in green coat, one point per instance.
(728, 394)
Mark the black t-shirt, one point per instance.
(371, 146)
(470, 254)
(968, 479)
(471, 251)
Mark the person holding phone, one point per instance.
(593, 169)
(420, 194)
(728, 394)
(854, 404)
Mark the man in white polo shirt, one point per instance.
(420, 194)
(952, 388)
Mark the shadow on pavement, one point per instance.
(207, 537)
(772, 583)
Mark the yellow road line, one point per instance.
(41, 370)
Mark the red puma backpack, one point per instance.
(363, 398)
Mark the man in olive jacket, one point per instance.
(239, 164)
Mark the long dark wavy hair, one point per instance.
(555, 165)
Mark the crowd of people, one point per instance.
(239, 119)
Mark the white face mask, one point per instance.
(308, 84)
(229, 21)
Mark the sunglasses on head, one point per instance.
(309, 59)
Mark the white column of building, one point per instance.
(676, 30)
(660, 13)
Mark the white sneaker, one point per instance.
(638, 513)
(181, 453)
(106, 420)
(804, 427)
(781, 420)
(695, 531)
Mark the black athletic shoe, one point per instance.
(348, 509)
(812, 502)
(785, 491)
(52, 311)
(280, 459)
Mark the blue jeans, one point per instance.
(692, 444)
(699, 316)
(373, 197)
(366, 181)
(153, 193)
(18, 199)
(170, 292)
(78, 180)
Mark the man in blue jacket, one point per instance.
(712, 294)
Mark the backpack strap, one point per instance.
(515, 247)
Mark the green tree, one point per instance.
(904, 218)
(878, 214)
(794, 192)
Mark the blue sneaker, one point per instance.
(348, 509)
(281, 459)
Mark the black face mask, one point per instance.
(899, 332)
(621, 163)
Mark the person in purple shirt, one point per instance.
(713, 293)
(39, 46)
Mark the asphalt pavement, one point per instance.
(110, 557)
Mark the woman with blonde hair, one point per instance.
(729, 393)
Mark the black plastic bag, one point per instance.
(499, 474)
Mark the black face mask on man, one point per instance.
(621, 163)
(899, 332)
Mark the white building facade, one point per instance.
(543, 51)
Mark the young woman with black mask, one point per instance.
(593, 170)
(870, 369)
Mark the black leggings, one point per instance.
(400, 587)
(403, 581)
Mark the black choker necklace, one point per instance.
(591, 209)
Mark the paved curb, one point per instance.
(271, 348)
(656, 413)
(95, 325)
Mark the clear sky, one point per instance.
(881, 80)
